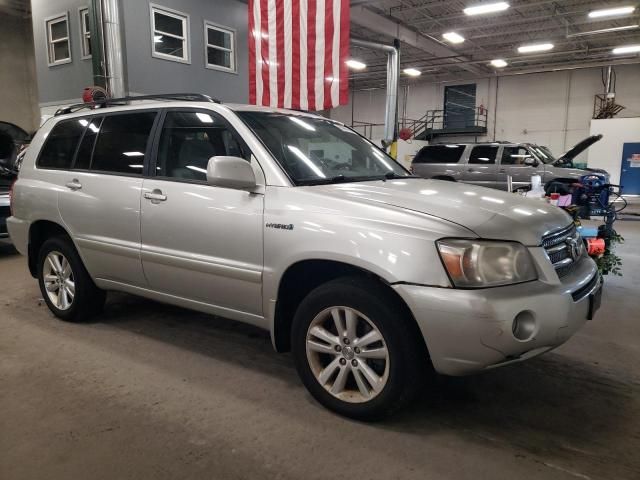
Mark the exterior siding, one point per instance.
(145, 74)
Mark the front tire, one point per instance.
(66, 286)
(355, 350)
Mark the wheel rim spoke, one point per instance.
(374, 353)
(324, 335)
(337, 321)
(371, 337)
(70, 286)
(362, 385)
(341, 380)
(351, 320)
(320, 347)
(372, 377)
(328, 371)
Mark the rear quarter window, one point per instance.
(60, 146)
(439, 154)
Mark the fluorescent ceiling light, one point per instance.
(538, 47)
(133, 154)
(499, 63)
(157, 38)
(453, 37)
(610, 12)
(356, 65)
(627, 49)
(486, 8)
(412, 72)
(604, 30)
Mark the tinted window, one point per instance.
(514, 155)
(83, 157)
(483, 155)
(439, 154)
(61, 144)
(190, 139)
(122, 142)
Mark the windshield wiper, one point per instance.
(391, 175)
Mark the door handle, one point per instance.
(502, 170)
(472, 170)
(73, 185)
(155, 196)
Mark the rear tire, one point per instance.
(368, 372)
(66, 286)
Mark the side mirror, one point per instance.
(231, 172)
(530, 161)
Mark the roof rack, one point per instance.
(111, 102)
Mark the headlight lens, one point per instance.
(486, 263)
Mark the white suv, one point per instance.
(297, 224)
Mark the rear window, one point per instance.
(61, 144)
(483, 155)
(122, 142)
(439, 154)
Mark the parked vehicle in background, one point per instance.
(296, 224)
(489, 164)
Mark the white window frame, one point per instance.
(48, 22)
(220, 28)
(186, 44)
(85, 35)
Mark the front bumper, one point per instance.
(468, 331)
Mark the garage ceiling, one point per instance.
(421, 24)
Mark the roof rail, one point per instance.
(111, 102)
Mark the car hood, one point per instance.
(577, 149)
(486, 212)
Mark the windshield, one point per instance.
(542, 153)
(316, 151)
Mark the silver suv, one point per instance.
(489, 164)
(296, 224)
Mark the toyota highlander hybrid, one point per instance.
(296, 224)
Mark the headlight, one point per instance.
(486, 263)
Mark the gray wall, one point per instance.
(18, 95)
(147, 74)
(62, 82)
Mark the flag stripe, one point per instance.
(297, 53)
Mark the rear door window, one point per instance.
(122, 143)
(85, 150)
(483, 155)
(61, 144)
(439, 154)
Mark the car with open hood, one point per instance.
(295, 223)
(490, 164)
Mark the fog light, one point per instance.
(524, 325)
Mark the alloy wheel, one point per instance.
(347, 354)
(59, 281)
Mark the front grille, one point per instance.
(558, 246)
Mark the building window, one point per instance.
(169, 34)
(220, 49)
(85, 32)
(460, 106)
(58, 43)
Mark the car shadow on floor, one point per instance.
(552, 405)
(7, 249)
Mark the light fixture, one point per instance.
(538, 47)
(453, 37)
(486, 8)
(204, 117)
(499, 63)
(133, 154)
(157, 38)
(603, 30)
(412, 72)
(611, 12)
(355, 64)
(626, 49)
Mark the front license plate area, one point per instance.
(595, 299)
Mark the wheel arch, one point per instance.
(39, 232)
(300, 278)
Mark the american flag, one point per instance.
(297, 53)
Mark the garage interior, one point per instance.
(149, 390)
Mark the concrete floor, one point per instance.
(151, 391)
